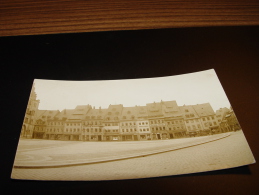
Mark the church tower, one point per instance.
(30, 114)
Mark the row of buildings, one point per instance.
(157, 120)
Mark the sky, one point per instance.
(189, 89)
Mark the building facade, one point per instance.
(30, 115)
(154, 121)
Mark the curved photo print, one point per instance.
(128, 129)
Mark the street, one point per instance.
(231, 151)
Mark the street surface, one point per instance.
(33, 153)
(231, 151)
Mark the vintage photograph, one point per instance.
(128, 129)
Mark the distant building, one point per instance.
(207, 117)
(154, 121)
(45, 125)
(221, 118)
(92, 126)
(232, 120)
(192, 121)
(174, 119)
(111, 123)
(74, 123)
(30, 114)
(157, 121)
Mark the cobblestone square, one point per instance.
(126, 160)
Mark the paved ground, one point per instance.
(42, 153)
(231, 151)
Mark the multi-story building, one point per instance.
(143, 126)
(73, 125)
(174, 119)
(92, 125)
(223, 124)
(192, 120)
(56, 125)
(156, 121)
(111, 123)
(232, 120)
(128, 124)
(41, 127)
(30, 115)
(207, 117)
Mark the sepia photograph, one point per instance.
(129, 129)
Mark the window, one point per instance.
(214, 123)
(212, 117)
(203, 119)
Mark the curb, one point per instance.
(143, 154)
